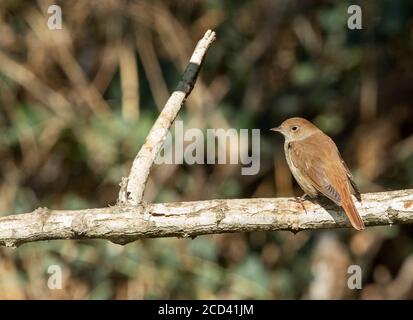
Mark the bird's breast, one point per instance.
(303, 181)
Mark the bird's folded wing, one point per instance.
(313, 160)
(353, 186)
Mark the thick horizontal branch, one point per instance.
(123, 224)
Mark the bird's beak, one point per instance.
(277, 129)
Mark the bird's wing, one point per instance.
(314, 158)
(351, 183)
(353, 186)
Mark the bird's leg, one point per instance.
(301, 200)
(303, 197)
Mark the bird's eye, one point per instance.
(295, 128)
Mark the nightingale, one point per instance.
(318, 167)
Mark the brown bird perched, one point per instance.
(316, 164)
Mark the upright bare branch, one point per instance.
(142, 164)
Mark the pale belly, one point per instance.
(304, 183)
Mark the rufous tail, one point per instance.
(352, 213)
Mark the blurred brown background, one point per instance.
(77, 103)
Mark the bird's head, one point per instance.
(295, 129)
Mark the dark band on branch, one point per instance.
(188, 78)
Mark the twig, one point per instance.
(143, 162)
(124, 224)
(128, 68)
